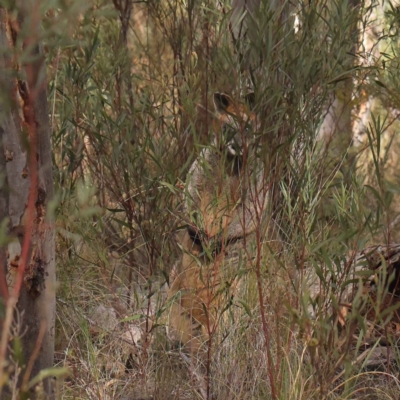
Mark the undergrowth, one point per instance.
(131, 99)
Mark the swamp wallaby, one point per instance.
(225, 198)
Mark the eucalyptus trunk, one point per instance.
(336, 131)
(27, 276)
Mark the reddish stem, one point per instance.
(29, 116)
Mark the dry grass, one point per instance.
(107, 364)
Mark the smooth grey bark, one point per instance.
(336, 128)
(36, 302)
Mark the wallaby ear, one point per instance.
(250, 100)
(222, 102)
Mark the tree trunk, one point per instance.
(336, 129)
(28, 291)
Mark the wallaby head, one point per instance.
(236, 121)
(218, 182)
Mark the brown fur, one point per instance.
(222, 221)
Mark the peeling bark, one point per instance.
(25, 161)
